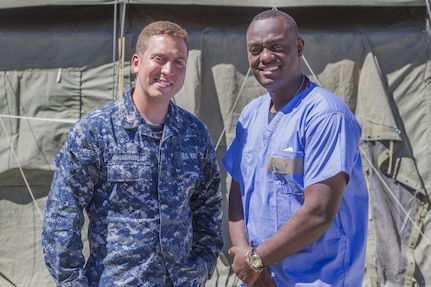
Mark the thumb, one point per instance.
(233, 250)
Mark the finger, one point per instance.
(231, 251)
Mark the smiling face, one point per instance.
(274, 51)
(160, 69)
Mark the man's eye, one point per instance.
(278, 47)
(159, 59)
(255, 50)
(180, 63)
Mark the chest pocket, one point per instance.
(133, 186)
(129, 168)
(287, 172)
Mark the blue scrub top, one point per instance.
(314, 137)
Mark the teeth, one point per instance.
(270, 68)
(163, 83)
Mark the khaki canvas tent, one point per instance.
(61, 58)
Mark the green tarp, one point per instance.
(236, 3)
(59, 62)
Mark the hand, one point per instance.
(241, 268)
(265, 280)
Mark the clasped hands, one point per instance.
(245, 273)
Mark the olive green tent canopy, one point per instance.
(61, 59)
(238, 3)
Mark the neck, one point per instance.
(153, 116)
(153, 112)
(280, 101)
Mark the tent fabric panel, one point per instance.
(385, 95)
(9, 127)
(97, 86)
(393, 235)
(240, 3)
(20, 240)
(190, 93)
(234, 91)
(285, 3)
(218, 68)
(56, 37)
(230, 47)
(21, 260)
(334, 55)
(37, 94)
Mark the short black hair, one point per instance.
(277, 13)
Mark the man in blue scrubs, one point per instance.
(298, 204)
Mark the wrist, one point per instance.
(254, 260)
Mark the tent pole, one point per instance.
(122, 42)
(114, 53)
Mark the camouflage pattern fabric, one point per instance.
(154, 204)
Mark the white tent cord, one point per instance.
(396, 199)
(229, 120)
(429, 13)
(70, 121)
(20, 168)
(428, 8)
(311, 70)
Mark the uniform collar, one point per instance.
(132, 118)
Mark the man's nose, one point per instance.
(266, 54)
(167, 68)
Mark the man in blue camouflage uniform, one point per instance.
(146, 173)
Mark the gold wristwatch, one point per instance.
(253, 260)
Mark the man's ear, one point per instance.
(300, 45)
(134, 62)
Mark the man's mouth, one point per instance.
(163, 83)
(269, 69)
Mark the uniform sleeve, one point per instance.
(207, 214)
(232, 159)
(332, 145)
(71, 190)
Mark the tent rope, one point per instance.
(24, 111)
(7, 279)
(20, 168)
(70, 121)
(407, 213)
(311, 71)
(429, 16)
(230, 117)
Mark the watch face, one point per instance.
(255, 261)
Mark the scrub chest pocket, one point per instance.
(287, 171)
